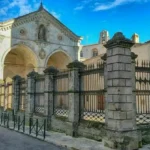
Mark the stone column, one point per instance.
(29, 108)
(49, 92)
(121, 129)
(74, 95)
(16, 93)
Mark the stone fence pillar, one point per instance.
(30, 101)
(121, 129)
(74, 94)
(49, 92)
(16, 93)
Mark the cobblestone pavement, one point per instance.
(11, 140)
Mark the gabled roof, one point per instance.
(41, 9)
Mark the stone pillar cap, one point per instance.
(50, 70)
(119, 40)
(76, 64)
(32, 74)
(17, 77)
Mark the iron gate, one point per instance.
(143, 92)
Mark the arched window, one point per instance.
(42, 33)
(95, 52)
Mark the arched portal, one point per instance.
(19, 61)
(59, 59)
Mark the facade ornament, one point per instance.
(42, 33)
(23, 32)
(60, 37)
(42, 54)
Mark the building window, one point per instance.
(81, 54)
(95, 52)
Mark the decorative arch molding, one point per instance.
(55, 51)
(14, 47)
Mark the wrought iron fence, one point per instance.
(22, 96)
(19, 122)
(36, 127)
(143, 92)
(4, 119)
(61, 101)
(92, 93)
(39, 94)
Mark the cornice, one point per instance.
(36, 16)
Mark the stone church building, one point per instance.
(35, 41)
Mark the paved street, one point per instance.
(11, 140)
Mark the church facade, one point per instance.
(35, 41)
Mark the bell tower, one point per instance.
(104, 37)
(135, 38)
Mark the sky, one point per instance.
(87, 18)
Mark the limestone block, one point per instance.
(126, 124)
(119, 98)
(129, 82)
(126, 107)
(110, 114)
(109, 82)
(125, 90)
(119, 74)
(111, 123)
(113, 90)
(118, 50)
(127, 51)
(120, 115)
(119, 82)
(130, 115)
(109, 52)
(114, 106)
(128, 67)
(109, 67)
(119, 90)
(109, 98)
(129, 98)
(118, 66)
(119, 59)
